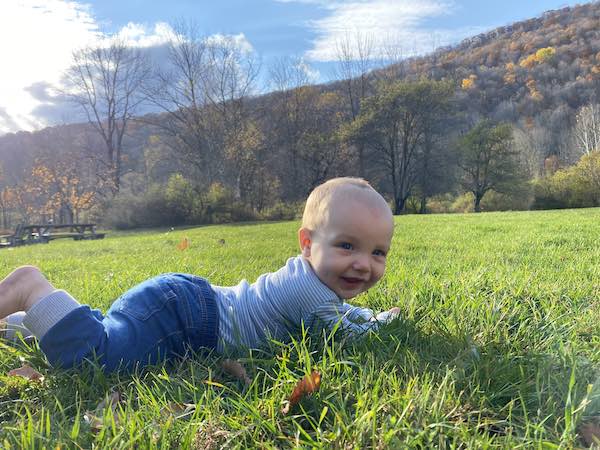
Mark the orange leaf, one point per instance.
(306, 386)
(27, 372)
(185, 243)
(236, 369)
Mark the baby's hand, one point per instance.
(395, 311)
(388, 316)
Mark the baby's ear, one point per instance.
(304, 240)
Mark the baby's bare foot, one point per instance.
(22, 289)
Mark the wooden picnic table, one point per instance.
(49, 231)
(43, 233)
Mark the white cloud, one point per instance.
(312, 74)
(385, 22)
(239, 41)
(37, 39)
(137, 35)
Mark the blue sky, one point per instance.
(43, 34)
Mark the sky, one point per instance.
(39, 36)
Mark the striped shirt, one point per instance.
(278, 304)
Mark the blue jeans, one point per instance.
(159, 319)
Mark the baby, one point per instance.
(344, 239)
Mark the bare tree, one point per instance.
(292, 112)
(105, 81)
(229, 82)
(532, 143)
(178, 90)
(203, 91)
(355, 55)
(587, 128)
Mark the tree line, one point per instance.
(429, 136)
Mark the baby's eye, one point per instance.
(346, 245)
(379, 253)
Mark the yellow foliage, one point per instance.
(545, 54)
(510, 77)
(537, 96)
(529, 62)
(469, 83)
(541, 56)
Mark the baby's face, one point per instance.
(348, 253)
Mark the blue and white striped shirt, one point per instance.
(278, 303)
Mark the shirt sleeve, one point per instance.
(353, 321)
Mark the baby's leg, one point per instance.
(22, 289)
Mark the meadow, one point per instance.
(498, 345)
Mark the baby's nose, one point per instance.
(361, 262)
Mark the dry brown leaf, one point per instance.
(27, 372)
(590, 432)
(96, 418)
(177, 409)
(234, 368)
(306, 386)
(183, 244)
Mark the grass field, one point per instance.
(497, 346)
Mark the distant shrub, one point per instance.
(575, 187)
(130, 211)
(176, 203)
(518, 201)
(463, 203)
(284, 211)
(442, 203)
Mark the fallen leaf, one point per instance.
(234, 368)
(184, 244)
(27, 372)
(95, 418)
(590, 432)
(177, 410)
(306, 386)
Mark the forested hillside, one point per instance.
(508, 119)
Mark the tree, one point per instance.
(203, 91)
(355, 57)
(292, 106)
(105, 81)
(587, 128)
(394, 124)
(489, 161)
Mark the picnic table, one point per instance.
(44, 233)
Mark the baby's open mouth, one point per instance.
(352, 280)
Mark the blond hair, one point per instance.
(321, 198)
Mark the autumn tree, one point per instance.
(489, 161)
(64, 192)
(394, 123)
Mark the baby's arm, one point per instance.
(353, 320)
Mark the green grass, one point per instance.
(496, 348)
